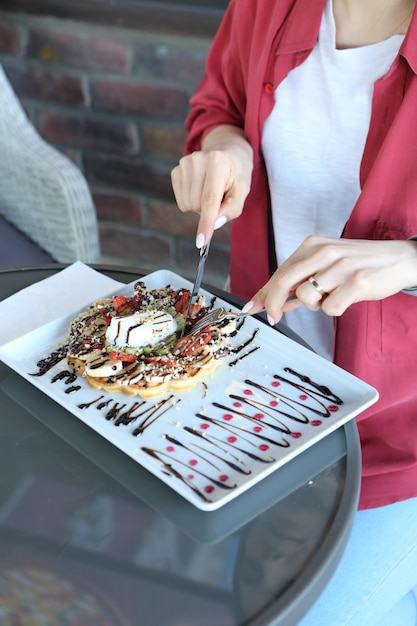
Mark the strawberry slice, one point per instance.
(120, 303)
(195, 309)
(122, 356)
(106, 315)
(136, 301)
(190, 344)
(162, 360)
(88, 343)
(180, 299)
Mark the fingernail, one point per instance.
(199, 242)
(271, 320)
(221, 221)
(247, 307)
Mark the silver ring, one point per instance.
(317, 287)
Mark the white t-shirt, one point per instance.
(313, 143)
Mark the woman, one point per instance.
(304, 128)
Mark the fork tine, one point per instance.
(212, 317)
(219, 314)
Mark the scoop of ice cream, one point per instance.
(140, 329)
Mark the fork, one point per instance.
(218, 315)
(213, 317)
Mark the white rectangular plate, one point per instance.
(260, 408)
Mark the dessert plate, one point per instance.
(266, 403)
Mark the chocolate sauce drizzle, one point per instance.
(211, 440)
(291, 403)
(176, 442)
(245, 344)
(86, 405)
(51, 360)
(324, 392)
(243, 356)
(68, 378)
(234, 429)
(170, 470)
(72, 389)
(158, 454)
(193, 447)
(104, 404)
(114, 411)
(66, 375)
(155, 412)
(128, 416)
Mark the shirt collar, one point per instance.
(299, 34)
(301, 26)
(409, 46)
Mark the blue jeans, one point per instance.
(372, 585)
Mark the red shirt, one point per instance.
(256, 46)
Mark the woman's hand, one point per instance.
(346, 270)
(215, 181)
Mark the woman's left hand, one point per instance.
(346, 270)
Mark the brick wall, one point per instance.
(114, 100)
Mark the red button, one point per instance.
(269, 88)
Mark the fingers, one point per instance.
(201, 185)
(312, 292)
(256, 304)
(214, 182)
(188, 181)
(215, 196)
(304, 274)
(315, 292)
(332, 274)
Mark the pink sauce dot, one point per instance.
(224, 478)
(303, 397)
(257, 429)
(190, 476)
(316, 423)
(228, 417)
(209, 489)
(248, 392)
(259, 416)
(170, 449)
(296, 435)
(263, 447)
(274, 403)
(333, 408)
(205, 426)
(232, 439)
(276, 383)
(237, 404)
(193, 462)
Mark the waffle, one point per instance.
(168, 363)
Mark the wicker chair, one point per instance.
(42, 194)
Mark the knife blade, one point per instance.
(197, 283)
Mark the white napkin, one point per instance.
(68, 290)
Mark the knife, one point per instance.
(197, 283)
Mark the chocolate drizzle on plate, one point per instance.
(154, 412)
(234, 466)
(168, 469)
(69, 377)
(323, 391)
(44, 365)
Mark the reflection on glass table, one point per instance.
(276, 547)
(104, 543)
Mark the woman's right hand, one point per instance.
(214, 181)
